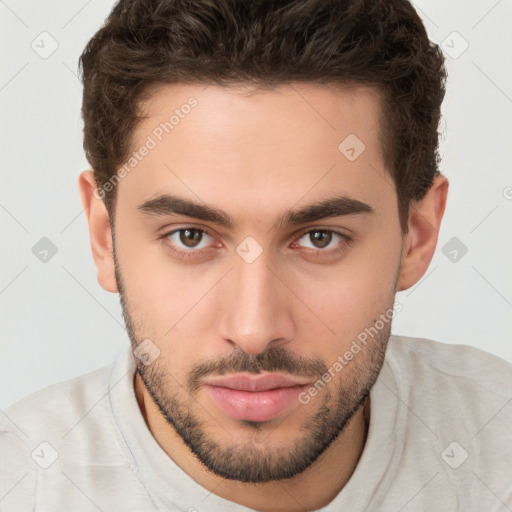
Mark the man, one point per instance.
(264, 180)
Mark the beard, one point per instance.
(248, 461)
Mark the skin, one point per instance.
(257, 156)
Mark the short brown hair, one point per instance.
(379, 43)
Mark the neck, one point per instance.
(312, 489)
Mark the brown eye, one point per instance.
(320, 239)
(324, 239)
(190, 237)
(186, 239)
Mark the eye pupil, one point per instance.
(320, 238)
(190, 237)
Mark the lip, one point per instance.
(256, 397)
(260, 382)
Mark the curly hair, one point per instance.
(377, 43)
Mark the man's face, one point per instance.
(265, 294)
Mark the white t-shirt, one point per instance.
(439, 439)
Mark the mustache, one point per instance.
(272, 360)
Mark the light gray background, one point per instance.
(57, 322)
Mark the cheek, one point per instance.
(168, 303)
(149, 276)
(165, 303)
(350, 296)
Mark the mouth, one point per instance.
(255, 397)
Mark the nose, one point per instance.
(257, 307)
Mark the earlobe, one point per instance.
(99, 231)
(420, 242)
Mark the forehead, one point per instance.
(317, 109)
(216, 144)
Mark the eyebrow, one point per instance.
(167, 204)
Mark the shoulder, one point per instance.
(58, 414)
(454, 415)
(55, 402)
(39, 432)
(452, 392)
(468, 366)
(65, 439)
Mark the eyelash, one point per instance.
(342, 244)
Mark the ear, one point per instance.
(420, 242)
(99, 230)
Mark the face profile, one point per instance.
(264, 179)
